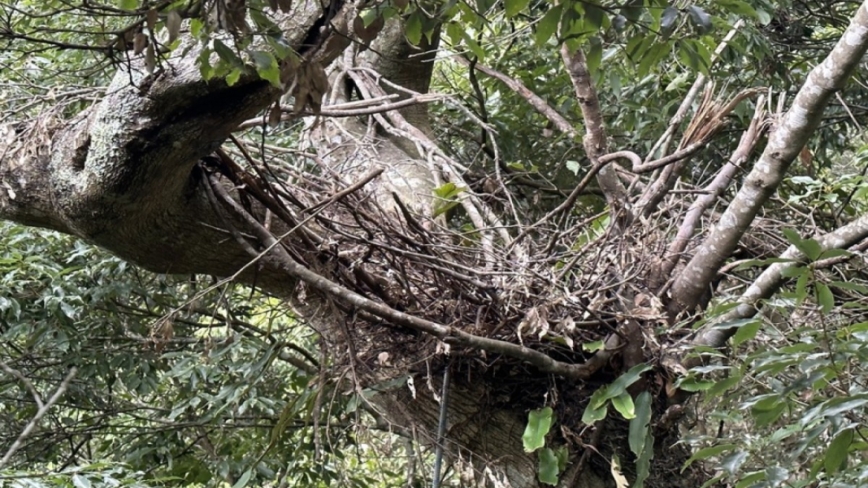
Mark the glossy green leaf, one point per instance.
(244, 479)
(836, 455)
(623, 403)
(707, 453)
(746, 332)
(413, 28)
(514, 7)
(548, 467)
(267, 67)
(809, 247)
(824, 297)
(538, 424)
(639, 435)
(700, 18)
(547, 26)
(668, 21)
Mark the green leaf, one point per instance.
(802, 287)
(623, 403)
(227, 54)
(563, 455)
(738, 7)
(750, 479)
(667, 21)
(695, 384)
(548, 467)
(824, 297)
(845, 285)
(707, 453)
(244, 479)
(625, 380)
(632, 11)
(639, 433)
(594, 16)
(413, 28)
(733, 462)
(233, 76)
(836, 455)
(746, 332)
(594, 55)
(643, 463)
(447, 198)
(723, 385)
(700, 18)
(538, 424)
(594, 414)
(266, 67)
(80, 481)
(809, 247)
(128, 4)
(514, 7)
(793, 271)
(593, 346)
(548, 25)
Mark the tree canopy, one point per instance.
(389, 242)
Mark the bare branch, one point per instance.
(43, 409)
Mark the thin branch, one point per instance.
(43, 409)
(535, 101)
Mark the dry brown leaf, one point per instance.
(284, 5)
(173, 25)
(151, 19)
(139, 42)
(368, 33)
(620, 479)
(274, 115)
(150, 59)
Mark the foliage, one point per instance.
(204, 382)
(180, 380)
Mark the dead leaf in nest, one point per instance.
(383, 358)
(150, 59)
(535, 322)
(162, 334)
(274, 115)
(412, 386)
(620, 479)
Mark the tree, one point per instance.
(417, 242)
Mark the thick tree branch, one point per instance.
(784, 144)
(595, 133)
(770, 280)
